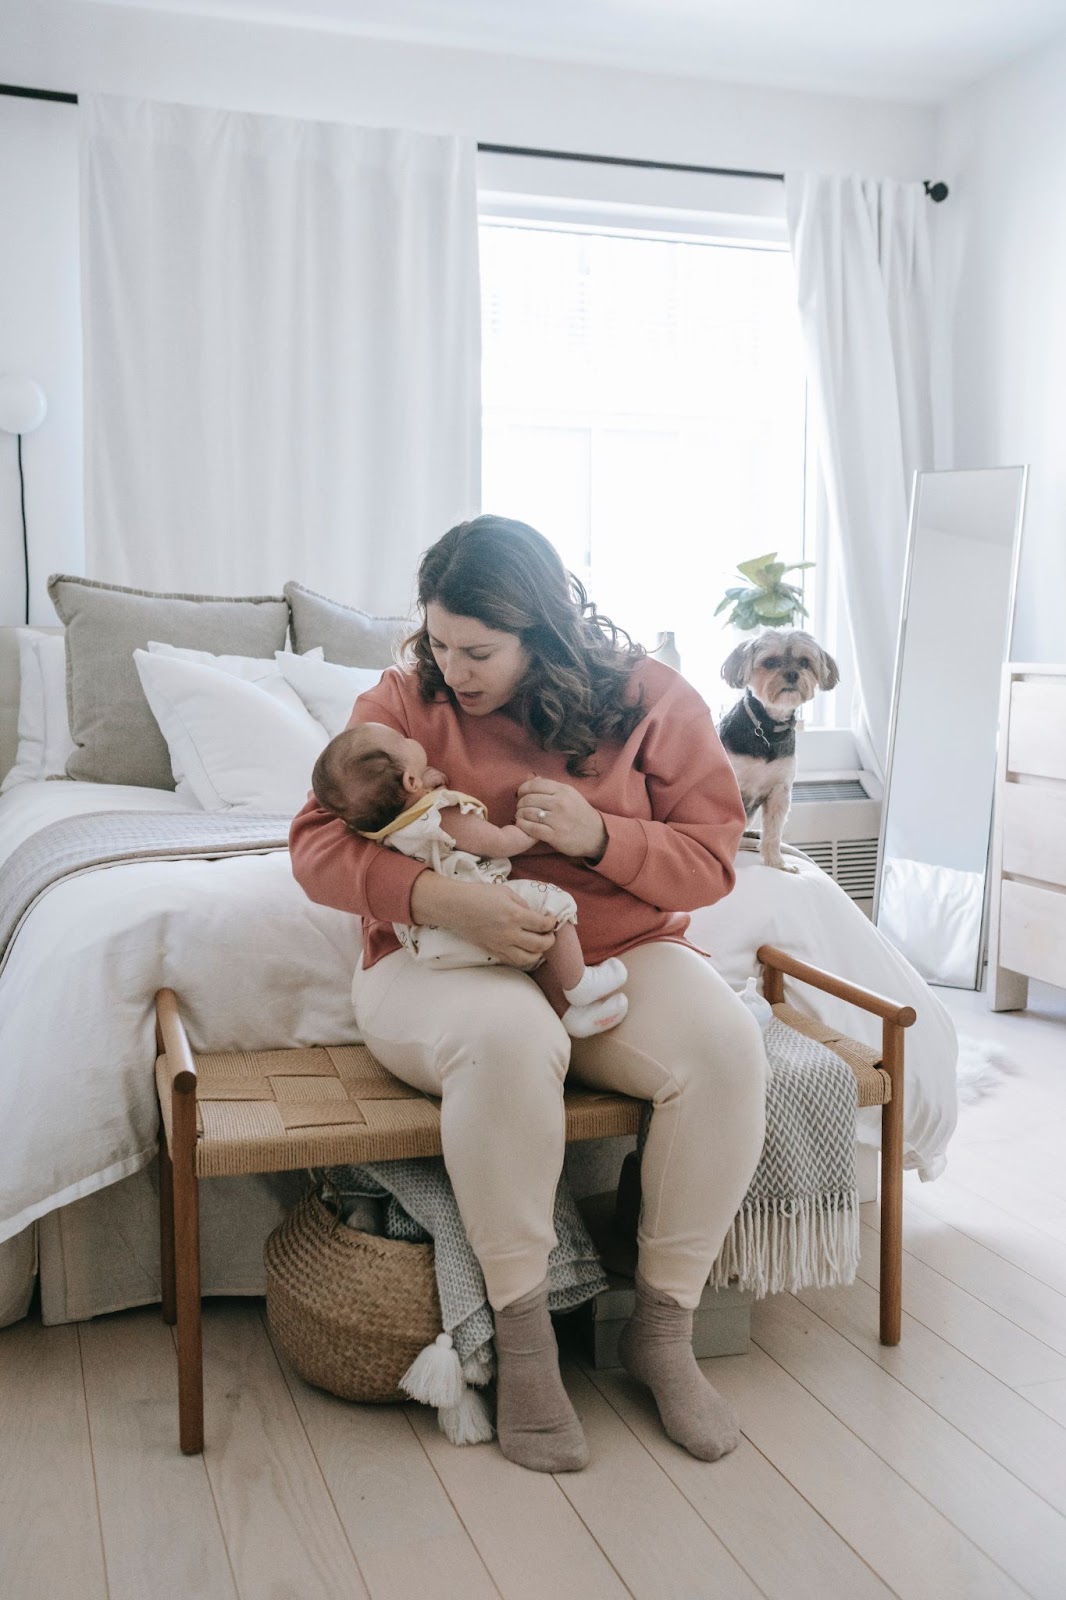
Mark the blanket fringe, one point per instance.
(777, 1246)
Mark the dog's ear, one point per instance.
(736, 668)
(828, 671)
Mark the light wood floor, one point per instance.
(935, 1471)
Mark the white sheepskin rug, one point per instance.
(981, 1069)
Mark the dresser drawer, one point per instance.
(1035, 742)
(1034, 831)
(1032, 931)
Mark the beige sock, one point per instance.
(656, 1348)
(535, 1422)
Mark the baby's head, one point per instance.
(370, 773)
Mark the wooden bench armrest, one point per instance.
(779, 963)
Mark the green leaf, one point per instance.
(752, 570)
(799, 566)
(774, 608)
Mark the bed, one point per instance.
(257, 965)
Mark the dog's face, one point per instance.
(782, 667)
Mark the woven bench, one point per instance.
(237, 1112)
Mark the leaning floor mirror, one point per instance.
(955, 634)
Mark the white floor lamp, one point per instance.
(23, 408)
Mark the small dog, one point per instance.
(779, 671)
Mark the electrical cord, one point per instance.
(25, 536)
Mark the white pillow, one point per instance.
(327, 690)
(44, 741)
(265, 672)
(234, 744)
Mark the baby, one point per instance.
(382, 786)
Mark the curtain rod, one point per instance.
(935, 191)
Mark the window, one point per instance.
(645, 408)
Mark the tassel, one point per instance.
(469, 1422)
(435, 1376)
(480, 1367)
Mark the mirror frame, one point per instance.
(897, 678)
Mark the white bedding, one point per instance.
(257, 964)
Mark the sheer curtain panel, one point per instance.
(282, 350)
(863, 263)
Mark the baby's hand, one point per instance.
(516, 839)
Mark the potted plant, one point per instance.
(764, 600)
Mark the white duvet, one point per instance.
(257, 965)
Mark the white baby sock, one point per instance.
(597, 982)
(581, 1022)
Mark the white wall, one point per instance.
(84, 47)
(1003, 152)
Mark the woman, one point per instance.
(523, 694)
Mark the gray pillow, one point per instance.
(116, 736)
(348, 637)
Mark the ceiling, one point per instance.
(920, 50)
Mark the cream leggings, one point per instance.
(488, 1043)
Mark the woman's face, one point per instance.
(481, 666)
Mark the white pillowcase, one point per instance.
(44, 741)
(327, 690)
(236, 742)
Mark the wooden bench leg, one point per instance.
(187, 1305)
(892, 1188)
(166, 1232)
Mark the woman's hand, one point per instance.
(487, 914)
(559, 815)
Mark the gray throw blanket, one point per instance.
(798, 1225)
(102, 838)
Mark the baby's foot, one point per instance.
(581, 1022)
(597, 982)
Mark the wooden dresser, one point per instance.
(1027, 913)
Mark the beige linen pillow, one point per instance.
(116, 737)
(348, 637)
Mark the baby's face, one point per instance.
(409, 753)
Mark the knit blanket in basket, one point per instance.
(422, 1206)
(797, 1227)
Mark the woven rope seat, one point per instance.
(276, 1110)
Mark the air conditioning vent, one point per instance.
(807, 790)
(856, 865)
(835, 821)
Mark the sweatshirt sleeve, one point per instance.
(333, 866)
(682, 858)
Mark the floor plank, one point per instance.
(49, 1526)
(787, 1549)
(1031, 1249)
(281, 1528)
(1014, 1527)
(992, 1415)
(998, 1283)
(407, 1536)
(143, 1480)
(911, 1546)
(1050, 1397)
(667, 1552)
(990, 1339)
(531, 1540)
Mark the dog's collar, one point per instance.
(765, 725)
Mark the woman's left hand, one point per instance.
(559, 816)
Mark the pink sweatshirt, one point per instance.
(668, 798)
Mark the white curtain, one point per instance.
(863, 263)
(282, 350)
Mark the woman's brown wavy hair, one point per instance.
(576, 695)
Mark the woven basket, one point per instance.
(350, 1310)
